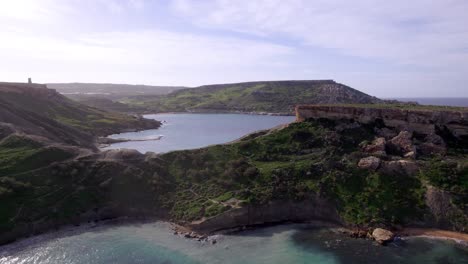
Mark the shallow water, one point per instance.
(155, 243)
(190, 131)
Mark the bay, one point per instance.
(191, 131)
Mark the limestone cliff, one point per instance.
(421, 120)
(313, 208)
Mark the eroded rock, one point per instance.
(402, 144)
(433, 144)
(407, 167)
(371, 163)
(382, 236)
(386, 132)
(377, 147)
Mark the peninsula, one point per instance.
(363, 166)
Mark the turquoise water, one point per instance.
(155, 243)
(190, 131)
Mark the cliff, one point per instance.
(422, 120)
(353, 166)
(313, 208)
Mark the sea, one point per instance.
(155, 242)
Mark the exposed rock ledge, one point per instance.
(314, 208)
(419, 120)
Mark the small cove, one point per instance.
(155, 242)
(191, 131)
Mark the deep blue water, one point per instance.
(154, 243)
(190, 131)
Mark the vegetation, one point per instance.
(40, 107)
(290, 164)
(273, 96)
(42, 183)
(109, 90)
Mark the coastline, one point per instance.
(222, 112)
(433, 233)
(185, 232)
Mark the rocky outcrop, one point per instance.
(406, 167)
(371, 163)
(382, 236)
(402, 167)
(402, 144)
(314, 208)
(419, 120)
(443, 212)
(29, 89)
(433, 144)
(377, 147)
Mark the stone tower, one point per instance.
(29, 80)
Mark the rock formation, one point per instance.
(382, 236)
(419, 120)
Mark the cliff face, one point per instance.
(357, 166)
(314, 208)
(422, 121)
(428, 144)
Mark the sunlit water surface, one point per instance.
(190, 131)
(155, 243)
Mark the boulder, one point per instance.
(399, 167)
(410, 155)
(433, 144)
(371, 163)
(377, 147)
(402, 144)
(386, 133)
(382, 236)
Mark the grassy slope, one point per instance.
(70, 113)
(290, 164)
(110, 90)
(274, 96)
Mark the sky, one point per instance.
(396, 48)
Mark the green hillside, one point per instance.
(304, 160)
(34, 107)
(268, 96)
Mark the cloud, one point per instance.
(420, 32)
(380, 47)
(150, 52)
(28, 10)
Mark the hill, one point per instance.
(110, 90)
(267, 96)
(358, 167)
(36, 110)
(107, 104)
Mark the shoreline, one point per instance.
(222, 112)
(433, 233)
(185, 232)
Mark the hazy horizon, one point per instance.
(385, 49)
